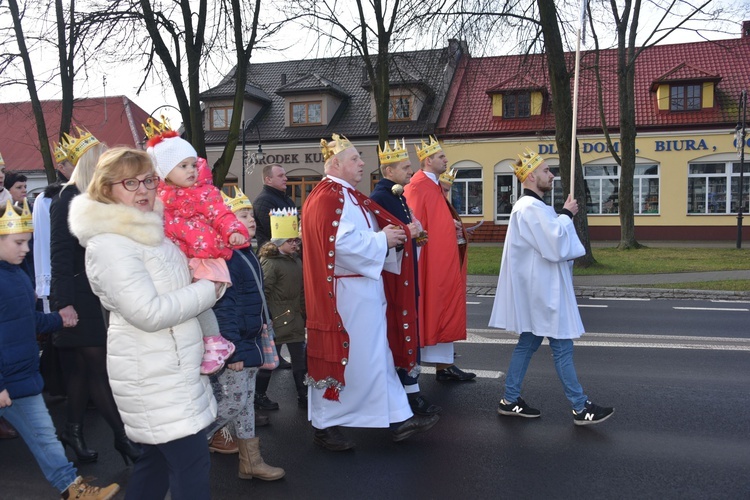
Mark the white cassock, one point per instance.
(373, 395)
(535, 287)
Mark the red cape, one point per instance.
(327, 339)
(442, 270)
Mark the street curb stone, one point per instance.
(641, 293)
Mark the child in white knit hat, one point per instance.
(196, 219)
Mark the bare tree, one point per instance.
(626, 20)
(36, 104)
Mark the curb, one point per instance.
(639, 293)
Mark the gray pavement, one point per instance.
(626, 285)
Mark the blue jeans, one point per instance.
(181, 466)
(31, 419)
(562, 351)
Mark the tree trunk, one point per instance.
(65, 50)
(626, 86)
(562, 107)
(36, 104)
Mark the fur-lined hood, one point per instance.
(88, 218)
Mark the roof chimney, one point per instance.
(745, 29)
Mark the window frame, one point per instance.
(393, 103)
(685, 98)
(729, 174)
(461, 186)
(307, 122)
(228, 111)
(514, 99)
(305, 184)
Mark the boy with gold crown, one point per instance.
(21, 384)
(196, 219)
(535, 296)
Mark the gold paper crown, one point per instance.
(59, 152)
(389, 156)
(341, 144)
(529, 161)
(153, 128)
(428, 149)
(77, 146)
(448, 176)
(239, 201)
(284, 223)
(2, 162)
(12, 223)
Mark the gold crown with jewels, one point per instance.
(152, 128)
(239, 201)
(341, 143)
(529, 160)
(448, 176)
(76, 147)
(2, 162)
(284, 223)
(59, 152)
(428, 149)
(389, 156)
(12, 223)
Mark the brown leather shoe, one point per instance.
(223, 443)
(415, 424)
(6, 430)
(332, 439)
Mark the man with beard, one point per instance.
(535, 296)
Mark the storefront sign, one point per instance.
(659, 146)
(287, 158)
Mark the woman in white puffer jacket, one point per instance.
(154, 342)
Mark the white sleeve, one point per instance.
(552, 236)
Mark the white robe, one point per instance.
(42, 267)
(535, 287)
(373, 395)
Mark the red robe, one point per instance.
(442, 270)
(327, 339)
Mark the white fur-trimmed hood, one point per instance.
(88, 218)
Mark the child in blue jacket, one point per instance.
(21, 384)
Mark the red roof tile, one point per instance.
(727, 60)
(115, 121)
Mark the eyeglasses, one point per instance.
(133, 184)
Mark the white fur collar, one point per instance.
(88, 218)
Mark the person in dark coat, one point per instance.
(273, 196)
(240, 316)
(396, 170)
(283, 286)
(82, 349)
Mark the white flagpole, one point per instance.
(573, 149)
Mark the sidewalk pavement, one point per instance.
(625, 285)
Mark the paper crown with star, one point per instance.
(340, 143)
(239, 201)
(12, 223)
(528, 161)
(284, 223)
(76, 147)
(388, 156)
(428, 149)
(448, 176)
(165, 146)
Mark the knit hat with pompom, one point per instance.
(167, 150)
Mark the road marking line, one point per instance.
(480, 373)
(620, 298)
(474, 333)
(485, 296)
(732, 301)
(712, 309)
(473, 303)
(600, 306)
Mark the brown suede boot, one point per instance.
(252, 464)
(80, 489)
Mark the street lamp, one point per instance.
(250, 158)
(739, 138)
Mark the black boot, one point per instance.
(299, 382)
(73, 436)
(129, 450)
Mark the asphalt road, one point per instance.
(678, 378)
